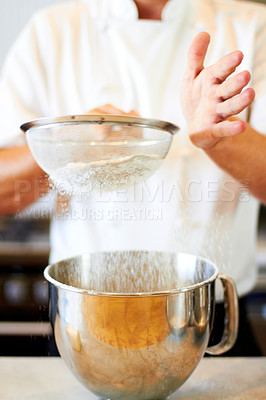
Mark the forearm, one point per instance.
(244, 158)
(22, 181)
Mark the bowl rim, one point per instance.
(185, 289)
(108, 119)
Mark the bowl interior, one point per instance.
(131, 272)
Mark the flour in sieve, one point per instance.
(104, 175)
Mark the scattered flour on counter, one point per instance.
(104, 175)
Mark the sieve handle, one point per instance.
(231, 317)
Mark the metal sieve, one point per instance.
(96, 152)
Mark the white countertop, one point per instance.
(215, 379)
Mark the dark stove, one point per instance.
(24, 321)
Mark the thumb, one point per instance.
(196, 54)
(133, 113)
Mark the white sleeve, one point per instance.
(23, 92)
(258, 108)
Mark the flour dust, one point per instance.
(104, 175)
(131, 271)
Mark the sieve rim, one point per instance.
(107, 119)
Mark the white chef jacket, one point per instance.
(73, 57)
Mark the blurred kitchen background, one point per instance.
(24, 246)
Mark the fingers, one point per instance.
(196, 54)
(235, 105)
(106, 109)
(233, 86)
(207, 138)
(228, 128)
(110, 109)
(225, 66)
(211, 95)
(133, 113)
(109, 132)
(220, 70)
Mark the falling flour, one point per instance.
(129, 272)
(104, 175)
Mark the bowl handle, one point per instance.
(231, 317)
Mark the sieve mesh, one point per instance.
(98, 153)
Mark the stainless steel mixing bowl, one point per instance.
(135, 324)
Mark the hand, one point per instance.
(106, 132)
(210, 100)
(110, 109)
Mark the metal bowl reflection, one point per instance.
(136, 345)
